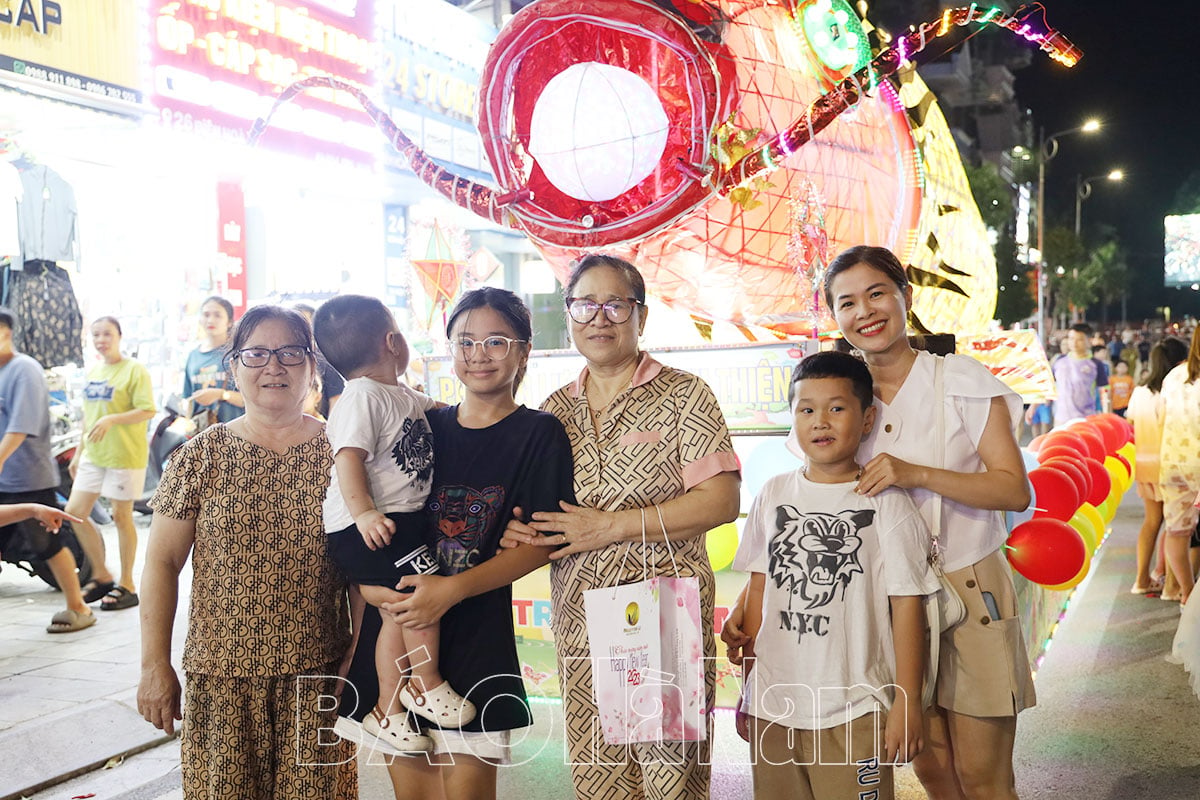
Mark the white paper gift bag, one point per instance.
(647, 654)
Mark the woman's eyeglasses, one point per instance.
(254, 357)
(584, 311)
(495, 347)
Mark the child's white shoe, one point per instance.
(395, 733)
(440, 705)
(348, 729)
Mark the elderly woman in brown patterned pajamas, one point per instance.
(642, 435)
(267, 624)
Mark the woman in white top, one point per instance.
(1179, 463)
(1145, 412)
(983, 673)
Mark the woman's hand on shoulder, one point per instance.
(884, 470)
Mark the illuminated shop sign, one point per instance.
(429, 81)
(429, 73)
(82, 45)
(219, 64)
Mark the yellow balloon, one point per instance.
(1098, 524)
(1079, 576)
(1118, 473)
(721, 544)
(1083, 524)
(1127, 451)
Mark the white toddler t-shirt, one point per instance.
(388, 422)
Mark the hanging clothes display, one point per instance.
(11, 192)
(46, 215)
(49, 323)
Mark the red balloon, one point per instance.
(1067, 438)
(1035, 443)
(1115, 430)
(1124, 461)
(1101, 481)
(1054, 494)
(1046, 551)
(1059, 451)
(1091, 436)
(1119, 422)
(1071, 466)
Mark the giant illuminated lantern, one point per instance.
(727, 148)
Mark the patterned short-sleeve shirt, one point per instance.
(660, 437)
(1180, 444)
(266, 599)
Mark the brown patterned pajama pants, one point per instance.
(259, 739)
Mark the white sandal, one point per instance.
(395, 734)
(441, 705)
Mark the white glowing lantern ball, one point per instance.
(597, 131)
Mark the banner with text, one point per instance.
(219, 65)
(86, 45)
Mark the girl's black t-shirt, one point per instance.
(479, 476)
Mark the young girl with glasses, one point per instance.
(495, 457)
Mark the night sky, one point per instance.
(1138, 74)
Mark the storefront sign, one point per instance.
(219, 64)
(431, 57)
(395, 250)
(231, 244)
(85, 45)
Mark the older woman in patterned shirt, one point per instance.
(642, 435)
(267, 622)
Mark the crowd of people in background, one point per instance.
(1146, 376)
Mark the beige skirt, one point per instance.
(983, 667)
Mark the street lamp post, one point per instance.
(1083, 190)
(1047, 150)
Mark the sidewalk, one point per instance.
(67, 701)
(1113, 720)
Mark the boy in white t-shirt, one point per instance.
(834, 614)
(374, 510)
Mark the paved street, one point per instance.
(1114, 720)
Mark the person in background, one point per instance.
(1078, 378)
(110, 461)
(29, 474)
(1115, 346)
(1143, 353)
(331, 383)
(208, 381)
(647, 440)
(268, 628)
(1145, 413)
(1179, 463)
(1120, 388)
